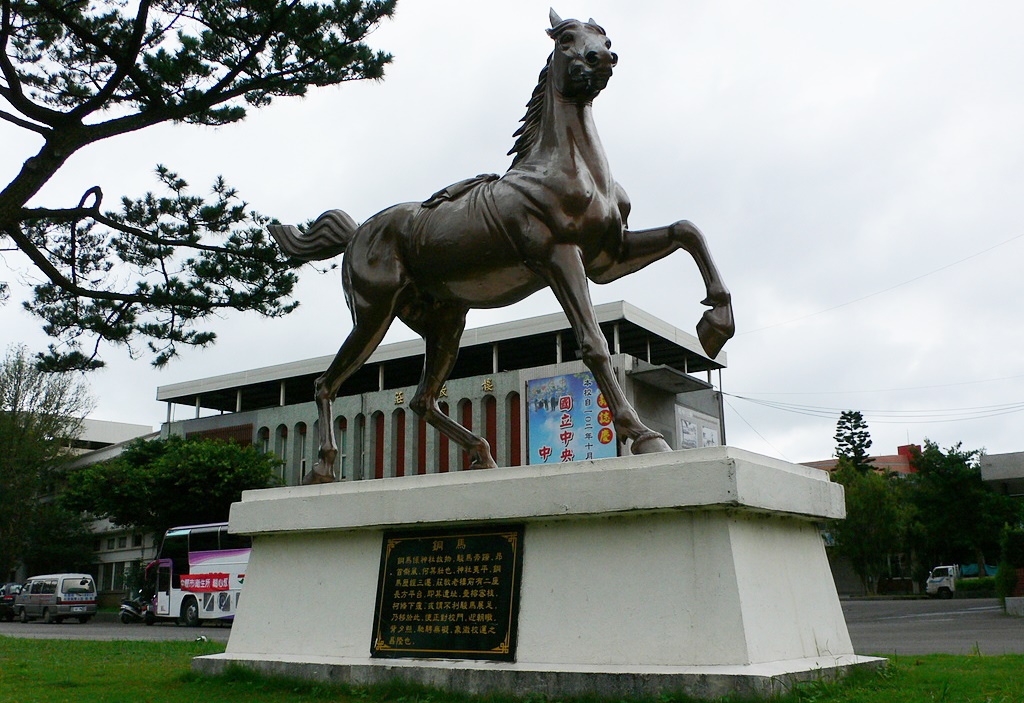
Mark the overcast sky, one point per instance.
(857, 168)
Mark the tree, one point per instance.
(853, 440)
(73, 74)
(40, 415)
(156, 484)
(960, 518)
(58, 540)
(875, 522)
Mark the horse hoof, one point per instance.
(714, 329)
(649, 443)
(483, 463)
(314, 477)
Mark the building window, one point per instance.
(442, 444)
(136, 540)
(466, 416)
(421, 445)
(110, 542)
(513, 412)
(398, 442)
(491, 425)
(122, 541)
(341, 439)
(378, 444)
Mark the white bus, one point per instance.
(198, 574)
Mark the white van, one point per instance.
(54, 597)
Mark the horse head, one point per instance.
(582, 61)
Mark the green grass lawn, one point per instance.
(55, 671)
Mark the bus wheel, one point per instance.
(190, 612)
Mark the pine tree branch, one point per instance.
(59, 279)
(13, 92)
(124, 65)
(25, 124)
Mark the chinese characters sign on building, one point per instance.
(453, 593)
(568, 420)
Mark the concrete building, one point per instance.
(898, 463)
(500, 371)
(1004, 472)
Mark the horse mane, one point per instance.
(530, 127)
(526, 135)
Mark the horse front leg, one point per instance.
(717, 325)
(568, 280)
(643, 247)
(441, 327)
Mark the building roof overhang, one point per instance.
(519, 344)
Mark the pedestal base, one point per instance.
(701, 571)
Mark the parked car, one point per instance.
(7, 593)
(54, 597)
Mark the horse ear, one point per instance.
(555, 19)
(591, 21)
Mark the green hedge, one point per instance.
(985, 583)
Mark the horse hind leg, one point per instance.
(371, 323)
(441, 327)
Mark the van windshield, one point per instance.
(937, 573)
(77, 585)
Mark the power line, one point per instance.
(754, 429)
(893, 390)
(883, 290)
(927, 416)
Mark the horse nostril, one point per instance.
(592, 58)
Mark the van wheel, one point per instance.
(945, 593)
(83, 619)
(23, 616)
(46, 616)
(190, 612)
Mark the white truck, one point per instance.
(942, 581)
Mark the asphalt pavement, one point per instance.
(106, 626)
(877, 626)
(917, 626)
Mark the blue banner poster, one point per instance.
(568, 420)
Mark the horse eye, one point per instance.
(567, 39)
(607, 43)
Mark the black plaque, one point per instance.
(449, 593)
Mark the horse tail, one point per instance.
(325, 239)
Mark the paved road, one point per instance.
(876, 627)
(932, 627)
(106, 627)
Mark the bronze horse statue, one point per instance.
(556, 218)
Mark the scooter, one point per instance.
(134, 610)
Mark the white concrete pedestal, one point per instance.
(701, 571)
